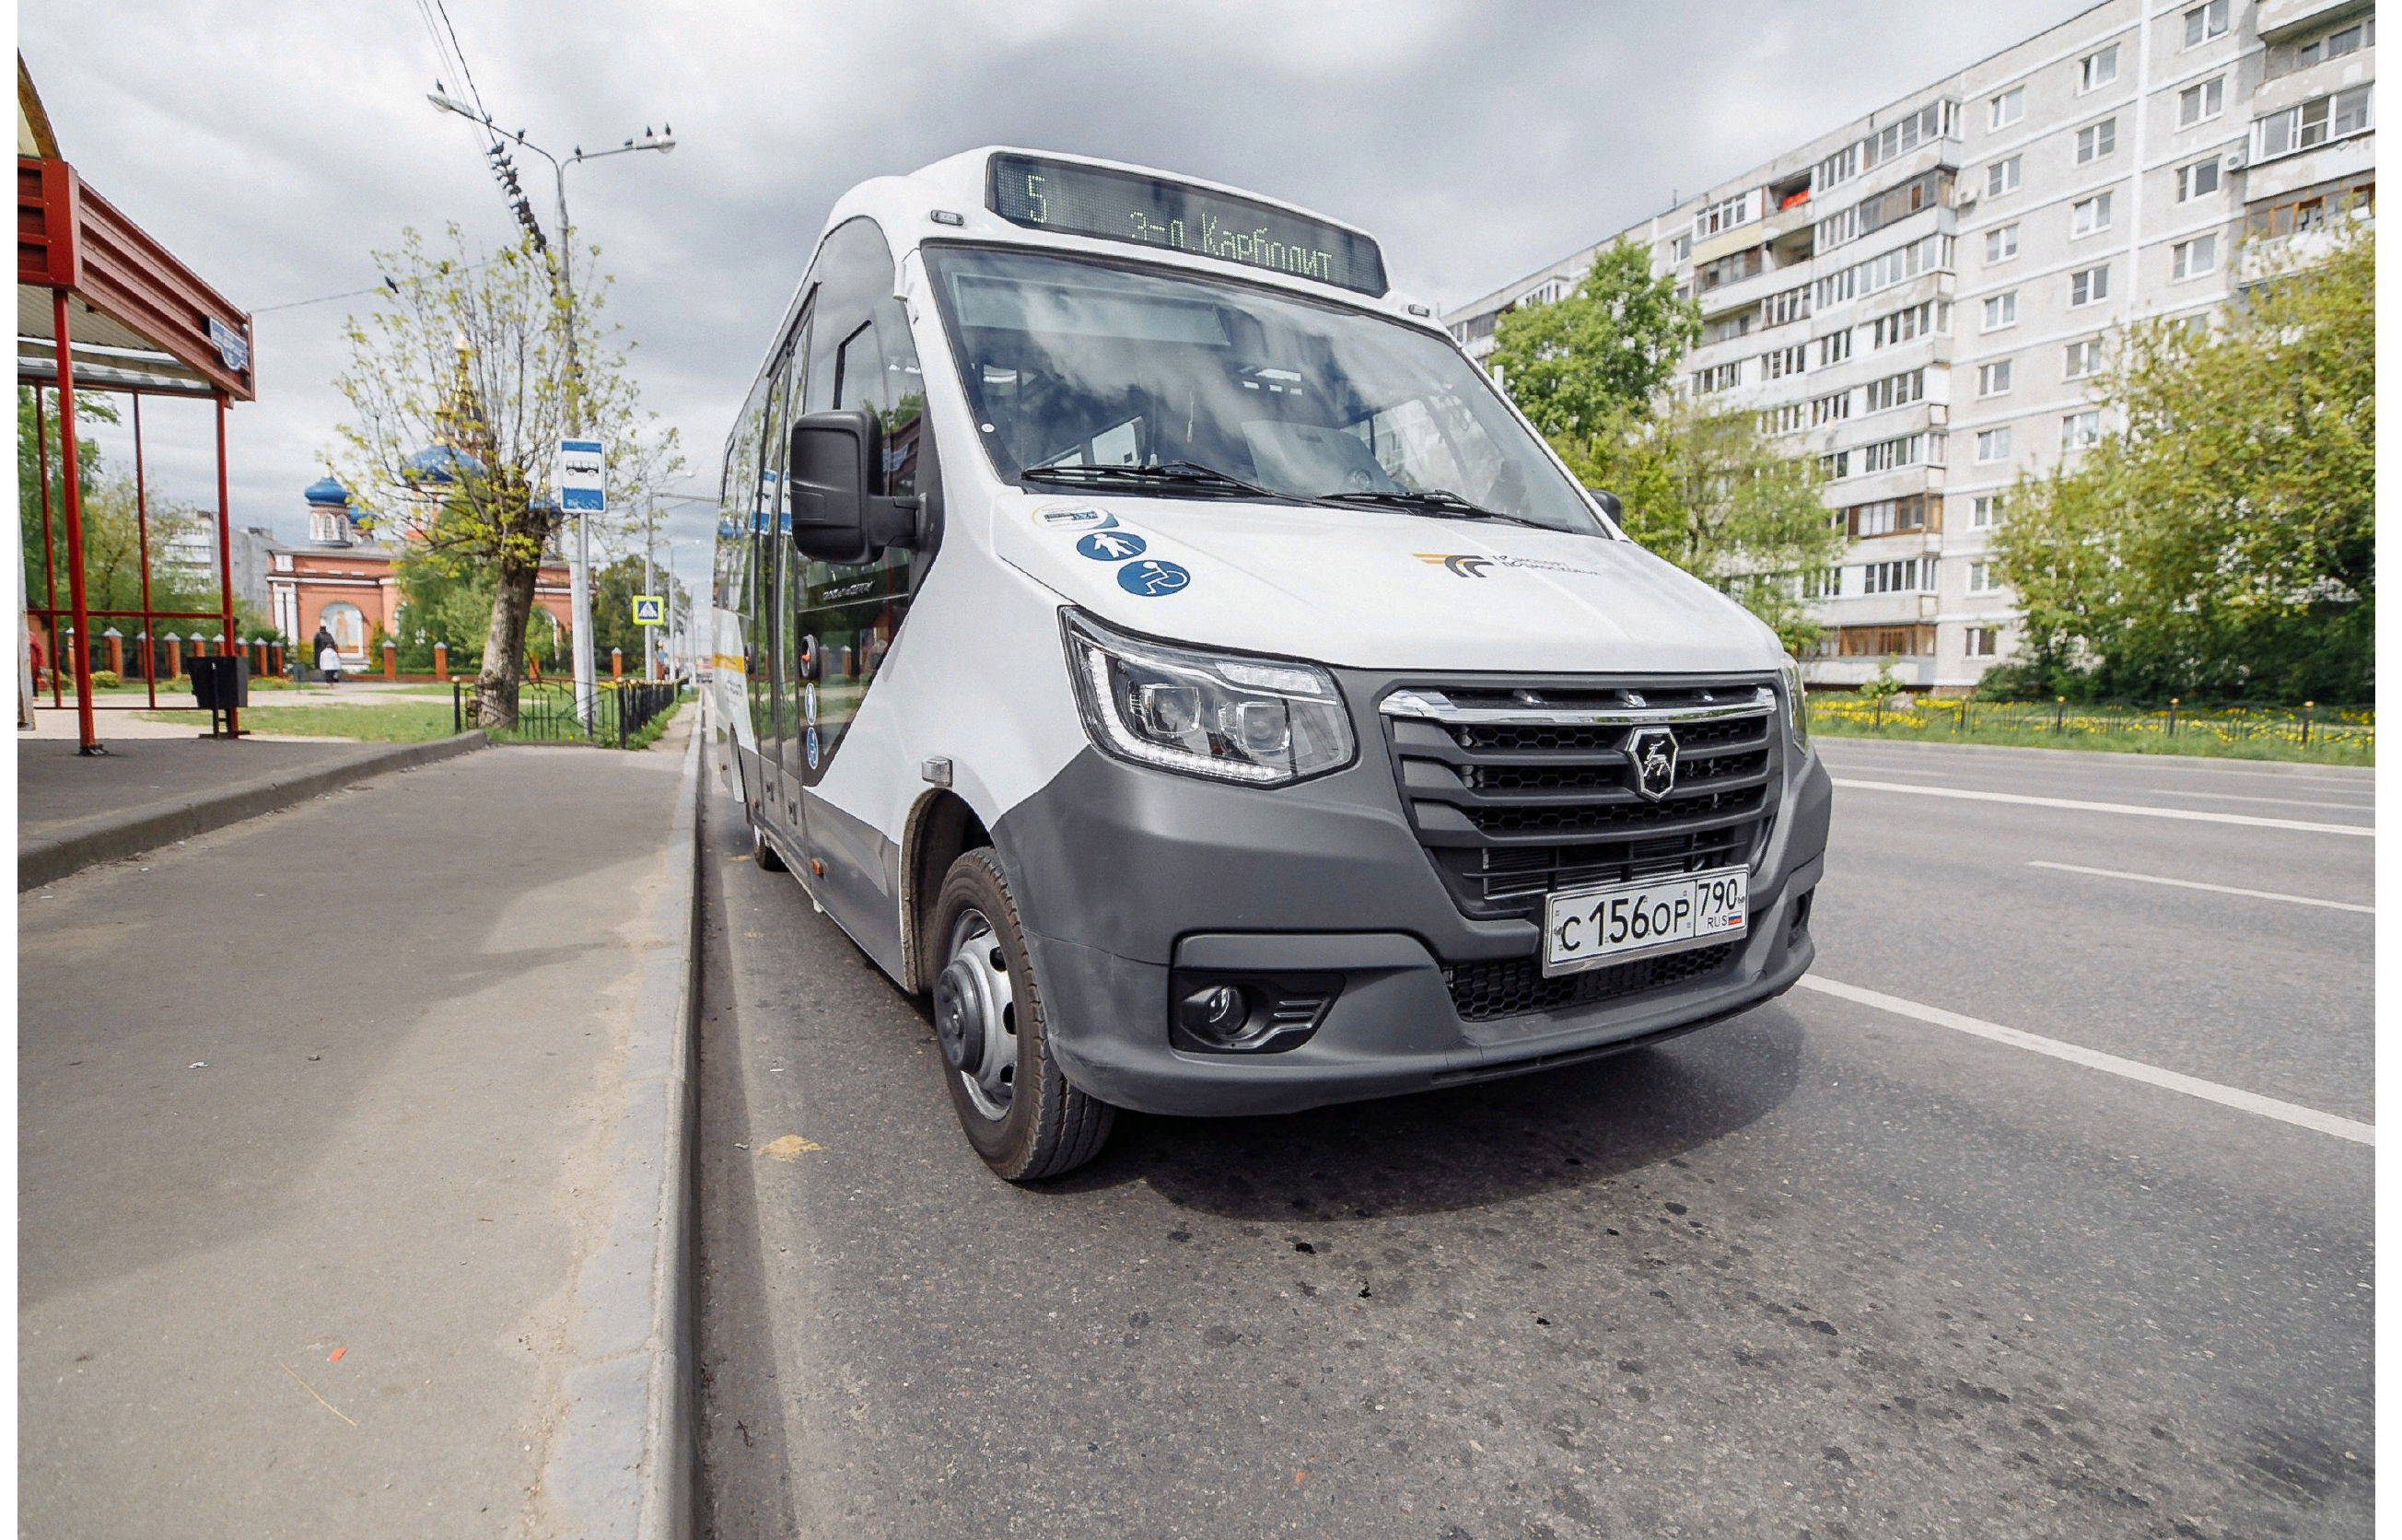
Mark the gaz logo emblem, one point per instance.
(1652, 752)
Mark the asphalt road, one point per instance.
(1827, 1270)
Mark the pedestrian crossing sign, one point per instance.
(647, 610)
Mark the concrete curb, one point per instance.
(622, 1461)
(116, 836)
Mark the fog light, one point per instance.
(1216, 1013)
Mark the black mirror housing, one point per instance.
(833, 488)
(1609, 501)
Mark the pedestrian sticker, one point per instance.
(648, 610)
(1153, 579)
(809, 704)
(1111, 546)
(813, 748)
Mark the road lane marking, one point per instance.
(2109, 1063)
(2208, 887)
(2080, 760)
(2137, 809)
(2280, 801)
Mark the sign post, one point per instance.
(583, 491)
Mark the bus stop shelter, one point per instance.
(103, 307)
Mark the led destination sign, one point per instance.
(1150, 211)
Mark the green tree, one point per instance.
(2222, 542)
(491, 359)
(613, 589)
(1708, 491)
(1609, 349)
(31, 452)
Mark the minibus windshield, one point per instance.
(1077, 363)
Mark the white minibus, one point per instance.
(1147, 632)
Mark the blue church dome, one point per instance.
(438, 464)
(329, 491)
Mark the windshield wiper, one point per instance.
(1441, 502)
(1178, 475)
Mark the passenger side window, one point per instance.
(877, 368)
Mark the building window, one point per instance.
(1993, 379)
(2096, 140)
(1680, 249)
(1980, 578)
(2007, 108)
(1831, 409)
(2090, 286)
(1724, 215)
(1992, 446)
(1784, 361)
(1884, 641)
(1726, 328)
(1834, 347)
(2084, 358)
(2096, 70)
(2001, 309)
(1985, 512)
(1897, 390)
(1890, 515)
(1823, 583)
(2334, 45)
(1911, 575)
(1717, 377)
(1910, 449)
(2197, 180)
(2080, 430)
(2204, 23)
(1927, 254)
(1835, 466)
(1780, 310)
(2313, 123)
(2308, 211)
(1980, 639)
(2202, 103)
(2089, 215)
(2001, 245)
(1782, 420)
(2003, 176)
(1927, 315)
(2194, 258)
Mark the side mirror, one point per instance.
(1609, 501)
(832, 481)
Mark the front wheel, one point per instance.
(1017, 1109)
(762, 851)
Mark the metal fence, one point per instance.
(546, 712)
(2232, 723)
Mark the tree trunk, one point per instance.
(496, 686)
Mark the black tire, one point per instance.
(761, 851)
(1048, 1126)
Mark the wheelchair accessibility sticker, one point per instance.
(1111, 545)
(813, 748)
(1153, 579)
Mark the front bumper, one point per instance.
(1122, 873)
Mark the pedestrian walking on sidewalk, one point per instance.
(330, 662)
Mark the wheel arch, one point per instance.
(941, 827)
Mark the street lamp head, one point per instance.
(447, 104)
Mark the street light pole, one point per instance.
(563, 270)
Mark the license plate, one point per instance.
(1594, 927)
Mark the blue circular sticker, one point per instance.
(1111, 545)
(1153, 579)
(813, 748)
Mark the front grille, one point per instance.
(1510, 810)
(1513, 986)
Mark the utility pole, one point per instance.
(650, 633)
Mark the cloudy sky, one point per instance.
(275, 145)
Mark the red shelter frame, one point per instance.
(125, 317)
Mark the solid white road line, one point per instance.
(2109, 1063)
(2277, 801)
(2208, 887)
(2190, 814)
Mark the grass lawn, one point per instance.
(400, 722)
(2220, 736)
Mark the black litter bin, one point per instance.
(220, 684)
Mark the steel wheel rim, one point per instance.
(993, 995)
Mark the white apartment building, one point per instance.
(1920, 297)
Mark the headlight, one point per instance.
(1263, 721)
(1797, 702)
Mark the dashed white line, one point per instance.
(2109, 1063)
(2133, 809)
(2207, 887)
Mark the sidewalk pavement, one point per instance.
(311, 1247)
